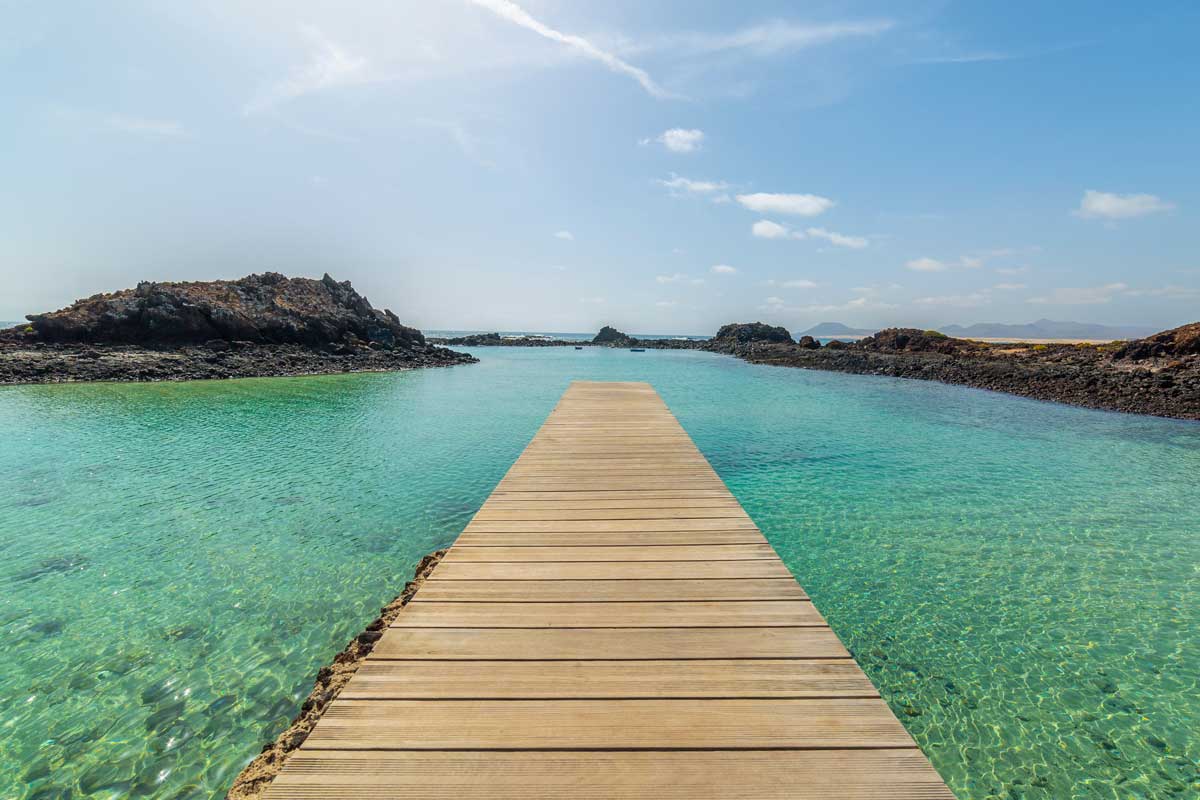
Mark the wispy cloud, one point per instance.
(144, 126)
(793, 283)
(863, 303)
(680, 183)
(330, 65)
(927, 264)
(765, 39)
(1106, 205)
(678, 277)
(802, 205)
(723, 269)
(596, 301)
(972, 300)
(839, 239)
(566, 236)
(1098, 295)
(1080, 296)
(519, 16)
(1010, 287)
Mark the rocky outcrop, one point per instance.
(1175, 343)
(752, 332)
(260, 325)
(496, 340)
(263, 309)
(611, 337)
(913, 340)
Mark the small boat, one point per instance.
(578, 347)
(637, 349)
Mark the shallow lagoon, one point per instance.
(1022, 580)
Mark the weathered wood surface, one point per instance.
(611, 624)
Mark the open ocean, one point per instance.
(1020, 579)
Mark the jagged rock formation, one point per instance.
(611, 337)
(258, 326)
(748, 332)
(264, 309)
(1175, 343)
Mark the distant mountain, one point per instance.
(828, 329)
(1046, 329)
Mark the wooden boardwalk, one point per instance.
(611, 624)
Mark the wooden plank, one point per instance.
(732, 552)
(566, 591)
(609, 570)
(612, 538)
(624, 724)
(491, 514)
(531, 526)
(658, 614)
(607, 643)
(496, 680)
(901, 774)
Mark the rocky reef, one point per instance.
(257, 326)
(1159, 375)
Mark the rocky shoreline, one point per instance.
(33, 362)
(259, 326)
(607, 337)
(256, 776)
(1158, 376)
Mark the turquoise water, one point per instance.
(177, 560)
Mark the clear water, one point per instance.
(177, 560)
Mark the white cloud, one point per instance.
(680, 183)
(799, 283)
(144, 126)
(802, 205)
(766, 229)
(566, 236)
(775, 301)
(841, 240)
(514, 13)
(330, 65)
(1172, 292)
(972, 300)
(926, 264)
(666, 303)
(593, 300)
(1105, 205)
(678, 277)
(1093, 295)
(681, 140)
(723, 269)
(1009, 287)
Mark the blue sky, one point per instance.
(662, 166)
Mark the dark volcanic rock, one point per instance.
(1159, 375)
(752, 332)
(808, 343)
(912, 340)
(1177, 342)
(258, 326)
(265, 309)
(496, 340)
(611, 337)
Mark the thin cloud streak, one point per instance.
(512, 12)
